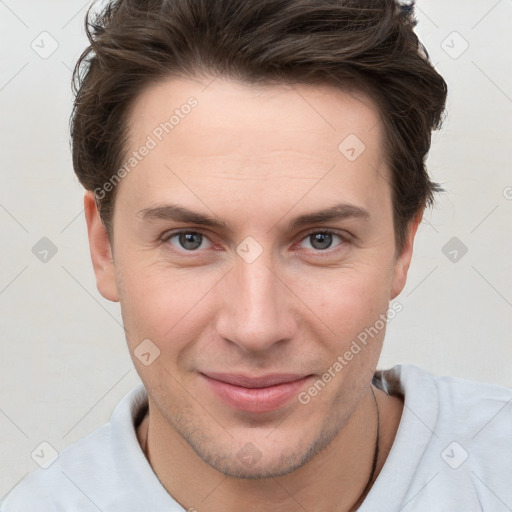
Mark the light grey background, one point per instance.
(64, 362)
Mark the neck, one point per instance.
(336, 479)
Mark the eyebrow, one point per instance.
(334, 213)
(180, 214)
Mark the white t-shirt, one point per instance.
(452, 452)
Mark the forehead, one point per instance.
(228, 134)
(224, 105)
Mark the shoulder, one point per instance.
(469, 446)
(478, 412)
(479, 418)
(487, 405)
(61, 483)
(91, 473)
(460, 405)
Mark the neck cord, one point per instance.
(361, 498)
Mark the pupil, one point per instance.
(190, 241)
(321, 240)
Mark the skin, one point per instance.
(256, 158)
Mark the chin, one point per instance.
(258, 459)
(254, 470)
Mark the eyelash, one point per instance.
(343, 239)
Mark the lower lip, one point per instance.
(256, 399)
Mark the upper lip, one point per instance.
(264, 381)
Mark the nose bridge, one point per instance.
(256, 311)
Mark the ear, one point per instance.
(101, 252)
(403, 261)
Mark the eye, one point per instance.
(322, 240)
(186, 240)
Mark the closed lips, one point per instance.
(255, 382)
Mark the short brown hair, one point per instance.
(367, 44)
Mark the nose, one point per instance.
(258, 309)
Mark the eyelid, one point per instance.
(344, 238)
(166, 237)
(342, 234)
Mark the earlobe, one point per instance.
(101, 251)
(403, 261)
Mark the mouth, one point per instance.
(255, 394)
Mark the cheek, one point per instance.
(159, 307)
(162, 304)
(347, 301)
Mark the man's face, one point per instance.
(259, 293)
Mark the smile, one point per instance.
(255, 394)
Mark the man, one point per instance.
(255, 176)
